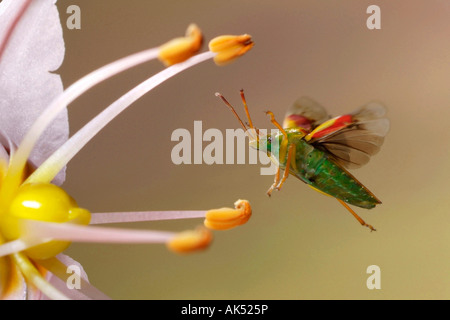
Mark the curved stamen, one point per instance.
(50, 168)
(72, 232)
(69, 95)
(19, 245)
(33, 276)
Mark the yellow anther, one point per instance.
(230, 47)
(192, 240)
(181, 49)
(227, 218)
(42, 202)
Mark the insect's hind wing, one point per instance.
(354, 140)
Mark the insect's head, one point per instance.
(269, 143)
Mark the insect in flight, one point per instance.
(319, 150)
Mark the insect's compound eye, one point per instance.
(268, 144)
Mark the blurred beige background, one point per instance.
(298, 244)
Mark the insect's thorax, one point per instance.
(304, 153)
(305, 158)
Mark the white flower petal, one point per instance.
(59, 275)
(7, 147)
(18, 290)
(27, 86)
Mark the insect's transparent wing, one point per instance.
(356, 140)
(305, 113)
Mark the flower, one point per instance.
(38, 219)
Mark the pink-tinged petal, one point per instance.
(33, 52)
(4, 156)
(139, 216)
(7, 147)
(59, 274)
(15, 287)
(34, 293)
(16, 10)
(35, 278)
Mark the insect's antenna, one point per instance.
(232, 110)
(248, 115)
(246, 109)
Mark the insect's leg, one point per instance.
(275, 182)
(363, 223)
(288, 165)
(282, 154)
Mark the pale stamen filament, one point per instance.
(50, 168)
(72, 232)
(33, 276)
(136, 216)
(20, 245)
(69, 95)
(35, 233)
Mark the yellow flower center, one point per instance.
(41, 202)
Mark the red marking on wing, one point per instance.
(331, 126)
(295, 120)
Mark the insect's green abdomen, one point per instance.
(314, 167)
(336, 181)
